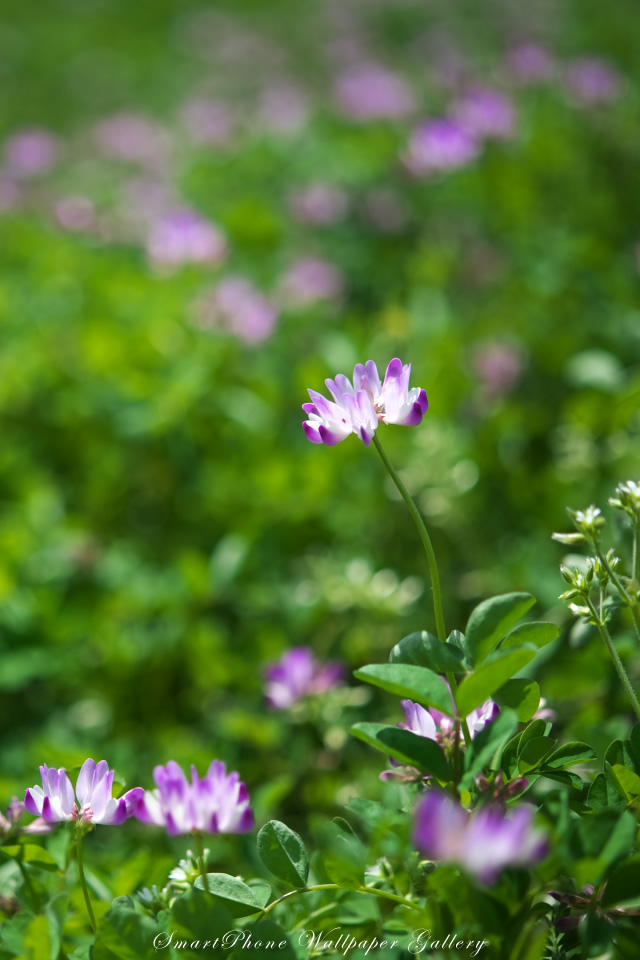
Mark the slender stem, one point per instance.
(424, 536)
(197, 836)
(334, 886)
(631, 601)
(83, 882)
(635, 567)
(617, 662)
(433, 568)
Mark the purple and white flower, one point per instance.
(438, 726)
(484, 842)
(298, 675)
(358, 407)
(92, 801)
(216, 803)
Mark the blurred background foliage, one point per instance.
(165, 528)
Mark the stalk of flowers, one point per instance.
(483, 842)
(298, 675)
(91, 803)
(358, 407)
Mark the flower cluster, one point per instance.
(484, 842)
(360, 406)
(217, 803)
(299, 675)
(92, 801)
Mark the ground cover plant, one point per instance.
(345, 701)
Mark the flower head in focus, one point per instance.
(484, 842)
(299, 675)
(92, 801)
(358, 407)
(216, 803)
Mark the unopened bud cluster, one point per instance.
(628, 499)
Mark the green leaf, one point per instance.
(534, 752)
(597, 798)
(193, 915)
(538, 633)
(267, 940)
(626, 781)
(424, 650)
(509, 759)
(570, 753)
(623, 885)
(32, 854)
(537, 728)
(125, 934)
(406, 680)
(621, 752)
(283, 853)
(520, 695)
(634, 739)
(483, 682)
(405, 747)
(491, 621)
(343, 855)
(606, 836)
(238, 897)
(487, 744)
(562, 776)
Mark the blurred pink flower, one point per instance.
(207, 121)
(530, 63)
(440, 145)
(486, 113)
(133, 138)
(483, 842)
(75, 213)
(236, 306)
(298, 675)
(370, 91)
(183, 237)
(592, 81)
(498, 366)
(283, 108)
(310, 279)
(31, 152)
(319, 203)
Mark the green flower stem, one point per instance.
(197, 837)
(433, 568)
(617, 662)
(334, 886)
(635, 568)
(631, 602)
(83, 882)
